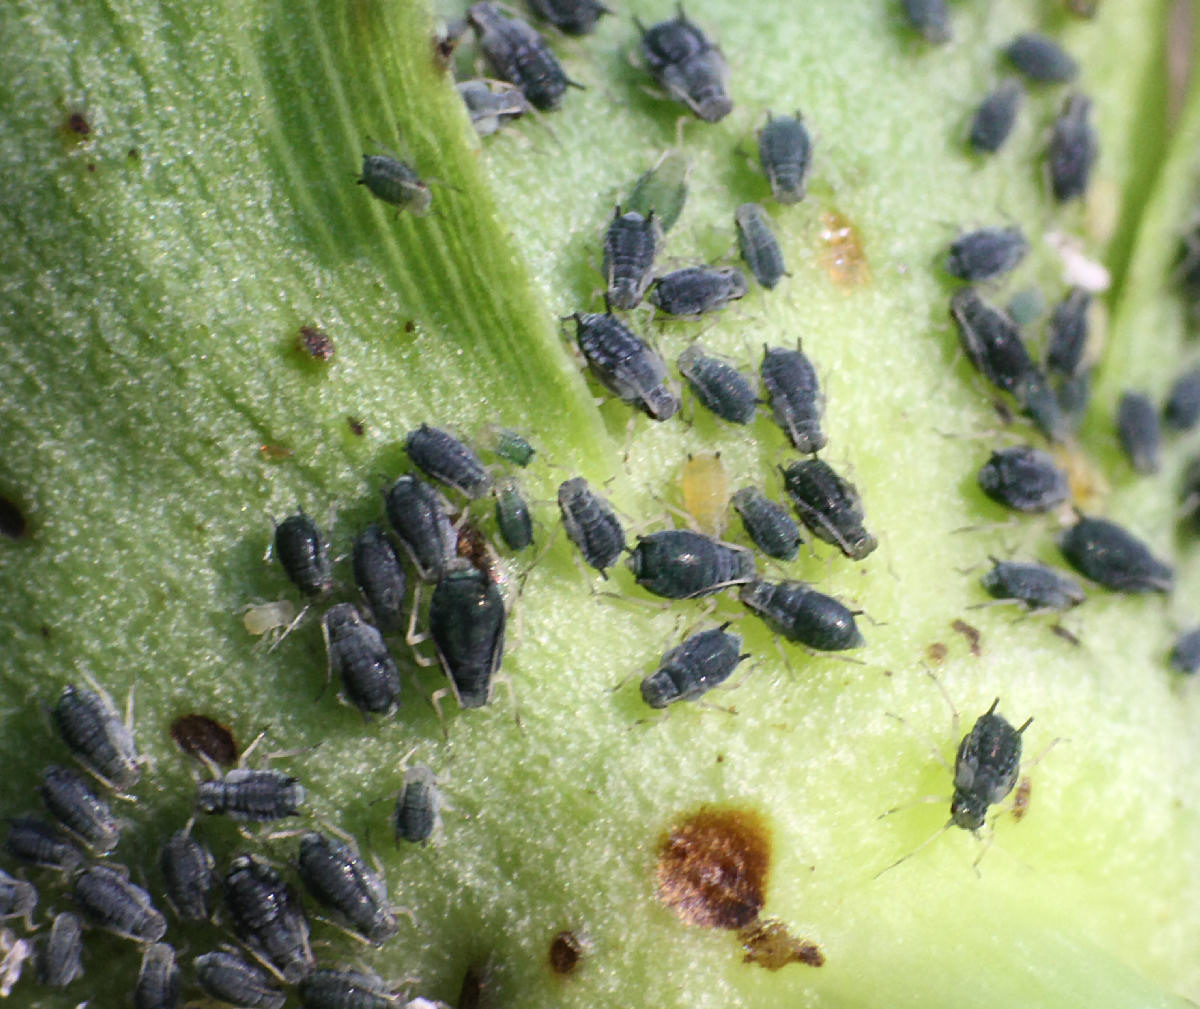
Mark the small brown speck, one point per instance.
(196, 734)
(45, 631)
(565, 952)
(769, 944)
(12, 519)
(974, 638)
(275, 453)
(77, 123)
(133, 154)
(1021, 798)
(356, 426)
(91, 167)
(720, 758)
(315, 343)
(936, 651)
(410, 326)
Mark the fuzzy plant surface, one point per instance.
(179, 198)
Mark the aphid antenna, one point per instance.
(920, 847)
(1011, 522)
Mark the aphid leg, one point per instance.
(436, 701)
(505, 679)
(988, 527)
(987, 842)
(289, 628)
(924, 844)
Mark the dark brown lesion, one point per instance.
(566, 951)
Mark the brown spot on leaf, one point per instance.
(199, 734)
(971, 634)
(936, 651)
(356, 426)
(769, 944)
(565, 952)
(842, 254)
(275, 453)
(315, 343)
(77, 126)
(12, 519)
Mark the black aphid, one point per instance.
(1067, 334)
(693, 668)
(96, 737)
(189, 875)
(759, 247)
(829, 506)
(467, 621)
(591, 524)
(108, 900)
(630, 245)
(330, 988)
(661, 190)
(785, 151)
(17, 898)
(251, 795)
(768, 524)
(718, 385)
(986, 253)
(985, 767)
(1137, 427)
(395, 182)
(995, 117)
(691, 69)
(512, 516)
(267, 915)
(517, 53)
(492, 105)
(69, 800)
(419, 516)
(229, 978)
(802, 614)
(1072, 151)
(1182, 409)
(694, 290)
(444, 458)
(337, 877)
(1041, 59)
(991, 340)
(60, 955)
(929, 17)
(360, 658)
(796, 399)
(302, 552)
(380, 578)
(1106, 553)
(1037, 586)
(625, 364)
(158, 980)
(417, 815)
(1025, 479)
(575, 17)
(681, 564)
(1185, 654)
(36, 842)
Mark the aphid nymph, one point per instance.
(690, 670)
(396, 182)
(691, 69)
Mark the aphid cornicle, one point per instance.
(189, 875)
(330, 988)
(1025, 479)
(38, 843)
(267, 915)
(802, 614)
(443, 457)
(338, 878)
(625, 364)
(691, 69)
(231, 979)
(517, 53)
(1036, 586)
(360, 658)
(1185, 653)
(380, 578)
(796, 399)
(591, 524)
(985, 767)
(1182, 409)
(784, 151)
(986, 253)
(70, 801)
(60, 954)
(1067, 333)
(995, 117)
(1041, 59)
(302, 553)
(575, 17)
(630, 245)
(1072, 151)
(705, 660)
(1113, 557)
(110, 901)
(681, 564)
(467, 621)
(96, 737)
(158, 980)
(695, 290)
(768, 524)
(758, 244)
(396, 182)
(829, 506)
(718, 385)
(253, 795)
(929, 17)
(17, 898)
(1140, 434)
(419, 516)
(417, 812)
(491, 105)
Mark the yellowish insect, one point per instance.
(705, 491)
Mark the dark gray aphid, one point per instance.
(1074, 395)
(1137, 427)
(1041, 59)
(759, 247)
(991, 340)
(625, 364)
(1182, 409)
(251, 795)
(681, 564)
(692, 70)
(517, 53)
(1185, 654)
(785, 151)
(829, 506)
(395, 182)
(929, 17)
(96, 737)
(768, 524)
(1025, 479)
(1037, 586)
(330, 988)
(985, 767)
(380, 578)
(417, 815)
(1107, 554)
(796, 399)
(17, 898)
(491, 110)
(444, 458)
(467, 621)
(718, 385)
(695, 290)
(630, 246)
(1072, 151)
(158, 979)
(231, 979)
(69, 800)
(110, 901)
(337, 877)
(360, 657)
(419, 516)
(189, 875)
(986, 253)
(60, 954)
(661, 190)
(267, 915)
(575, 17)
(302, 552)
(591, 524)
(690, 670)
(512, 516)
(802, 614)
(36, 842)
(1067, 334)
(1039, 402)
(995, 117)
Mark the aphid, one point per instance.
(419, 516)
(1025, 479)
(929, 17)
(202, 736)
(96, 737)
(829, 506)
(759, 247)
(315, 343)
(76, 807)
(60, 955)
(801, 613)
(509, 445)
(303, 554)
(491, 105)
(991, 340)
(14, 953)
(986, 253)
(38, 843)
(158, 980)
(358, 654)
(630, 245)
(231, 979)
(575, 17)
(517, 53)
(17, 898)
(705, 491)
(681, 564)
(395, 182)
(467, 620)
(625, 365)
(269, 618)
(1137, 427)
(784, 151)
(339, 879)
(1067, 334)
(380, 578)
(267, 915)
(719, 386)
(693, 668)
(1072, 151)
(110, 901)
(251, 795)
(345, 989)
(1182, 409)
(1039, 402)
(417, 814)
(512, 516)
(1074, 395)
(1036, 586)
(591, 524)
(189, 875)
(796, 399)
(995, 117)
(1041, 59)
(985, 767)
(661, 190)
(682, 59)
(768, 524)
(695, 290)
(446, 459)
(1185, 654)
(1107, 554)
